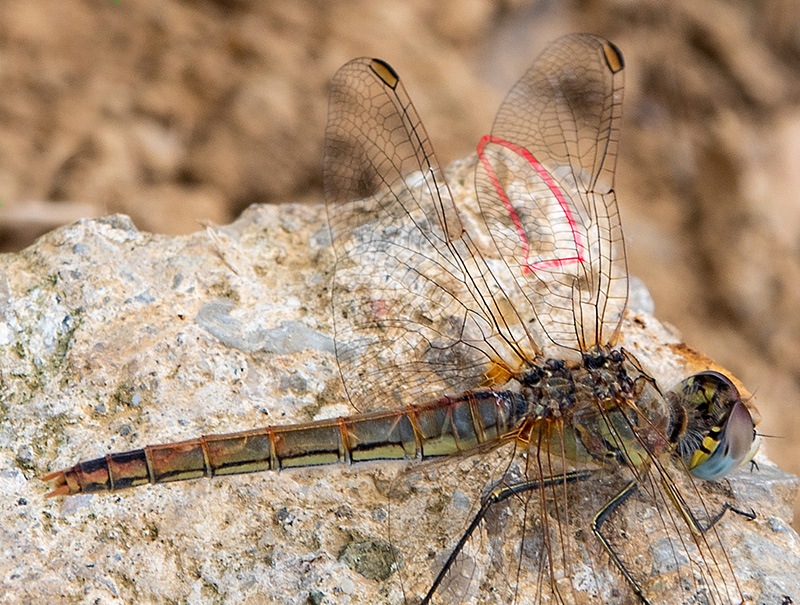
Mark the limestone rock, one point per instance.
(112, 338)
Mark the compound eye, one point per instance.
(727, 446)
(714, 430)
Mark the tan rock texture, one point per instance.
(114, 338)
(177, 113)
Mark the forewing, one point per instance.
(410, 323)
(545, 185)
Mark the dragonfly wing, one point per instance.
(545, 186)
(403, 296)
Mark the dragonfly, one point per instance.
(486, 336)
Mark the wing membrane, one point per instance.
(545, 186)
(410, 289)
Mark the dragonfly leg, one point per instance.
(597, 524)
(693, 522)
(749, 515)
(496, 496)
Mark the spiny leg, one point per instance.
(597, 523)
(700, 529)
(496, 496)
(749, 515)
(691, 520)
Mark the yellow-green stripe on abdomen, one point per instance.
(438, 428)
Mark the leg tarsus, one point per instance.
(749, 515)
(597, 524)
(497, 495)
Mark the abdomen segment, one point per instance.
(439, 428)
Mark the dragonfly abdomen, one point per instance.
(438, 428)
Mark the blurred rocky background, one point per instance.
(181, 114)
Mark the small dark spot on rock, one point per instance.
(373, 559)
(284, 517)
(315, 597)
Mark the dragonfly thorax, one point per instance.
(600, 409)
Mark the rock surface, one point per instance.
(112, 338)
(175, 113)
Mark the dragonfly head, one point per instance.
(718, 433)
